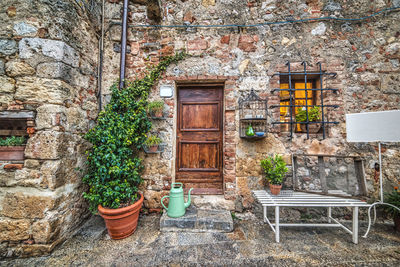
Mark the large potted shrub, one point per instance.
(12, 148)
(314, 115)
(393, 198)
(274, 169)
(114, 167)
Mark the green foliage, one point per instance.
(274, 169)
(152, 140)
(114, 165)
(13, 141)
(394, 199)
(155, 106)
(313, 114)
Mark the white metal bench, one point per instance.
(294, 199)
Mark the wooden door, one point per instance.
(199, 138)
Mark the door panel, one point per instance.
(199, 138)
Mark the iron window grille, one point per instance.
(292, 105)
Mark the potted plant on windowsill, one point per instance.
(275, 169)
(12, 148)
(114, 164)
(314, 115)
(152, 143)
(156, 109)
(393, 198)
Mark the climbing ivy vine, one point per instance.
(114, 166)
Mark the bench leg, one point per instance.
(329, 214)
(265, 214)
(277, 224)
(355, 225)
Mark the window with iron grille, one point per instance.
(301, 107)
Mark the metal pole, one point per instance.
(123, 44)
(380, 171)
(290, 101)
(306, 93)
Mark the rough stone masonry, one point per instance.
(49, 60)
(48, 65)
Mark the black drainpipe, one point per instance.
(123, 44)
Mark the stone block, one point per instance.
(14, 230)
(42, 90)
(57, 50)
(200, 220)
(53, 174)
(390, 83)
(198, 44)
(7, 47)
(45, 230)
(18, 68)
(7, 85)
(7, 178)
(2, 67)
(46, 145)
(31, 163)
(207, 3)
(24, 29)
(77, 120)
(57, 70)
(49, 115)
(247, 43)
(6, 99)
(21, 206)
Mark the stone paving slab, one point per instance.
(250, 244)
(198, 220)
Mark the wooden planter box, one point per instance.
(12, 153)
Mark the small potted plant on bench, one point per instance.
(274, 169)
(152, 143)
(393, 198)
(314, 115)
(12, 148)
(156, 109)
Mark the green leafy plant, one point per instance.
(275, 169)
(13, 141)
(152, 140)
(155, 106)
(114, 166)
(314, 114)
(394, 199)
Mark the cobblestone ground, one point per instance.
(251, 244)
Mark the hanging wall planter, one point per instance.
(12, 148)
(12, 153)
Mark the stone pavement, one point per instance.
(250, 244)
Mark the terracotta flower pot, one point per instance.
(12, 153)
(158, 114)
(275, 189)
(121, 222)
(153, 148)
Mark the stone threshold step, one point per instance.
(198, 220)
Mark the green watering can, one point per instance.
(177, 206)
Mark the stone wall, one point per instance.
(48, 65)
(364, 55)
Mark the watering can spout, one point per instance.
(187, 204)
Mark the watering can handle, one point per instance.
(172, 185)
(163, 203)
